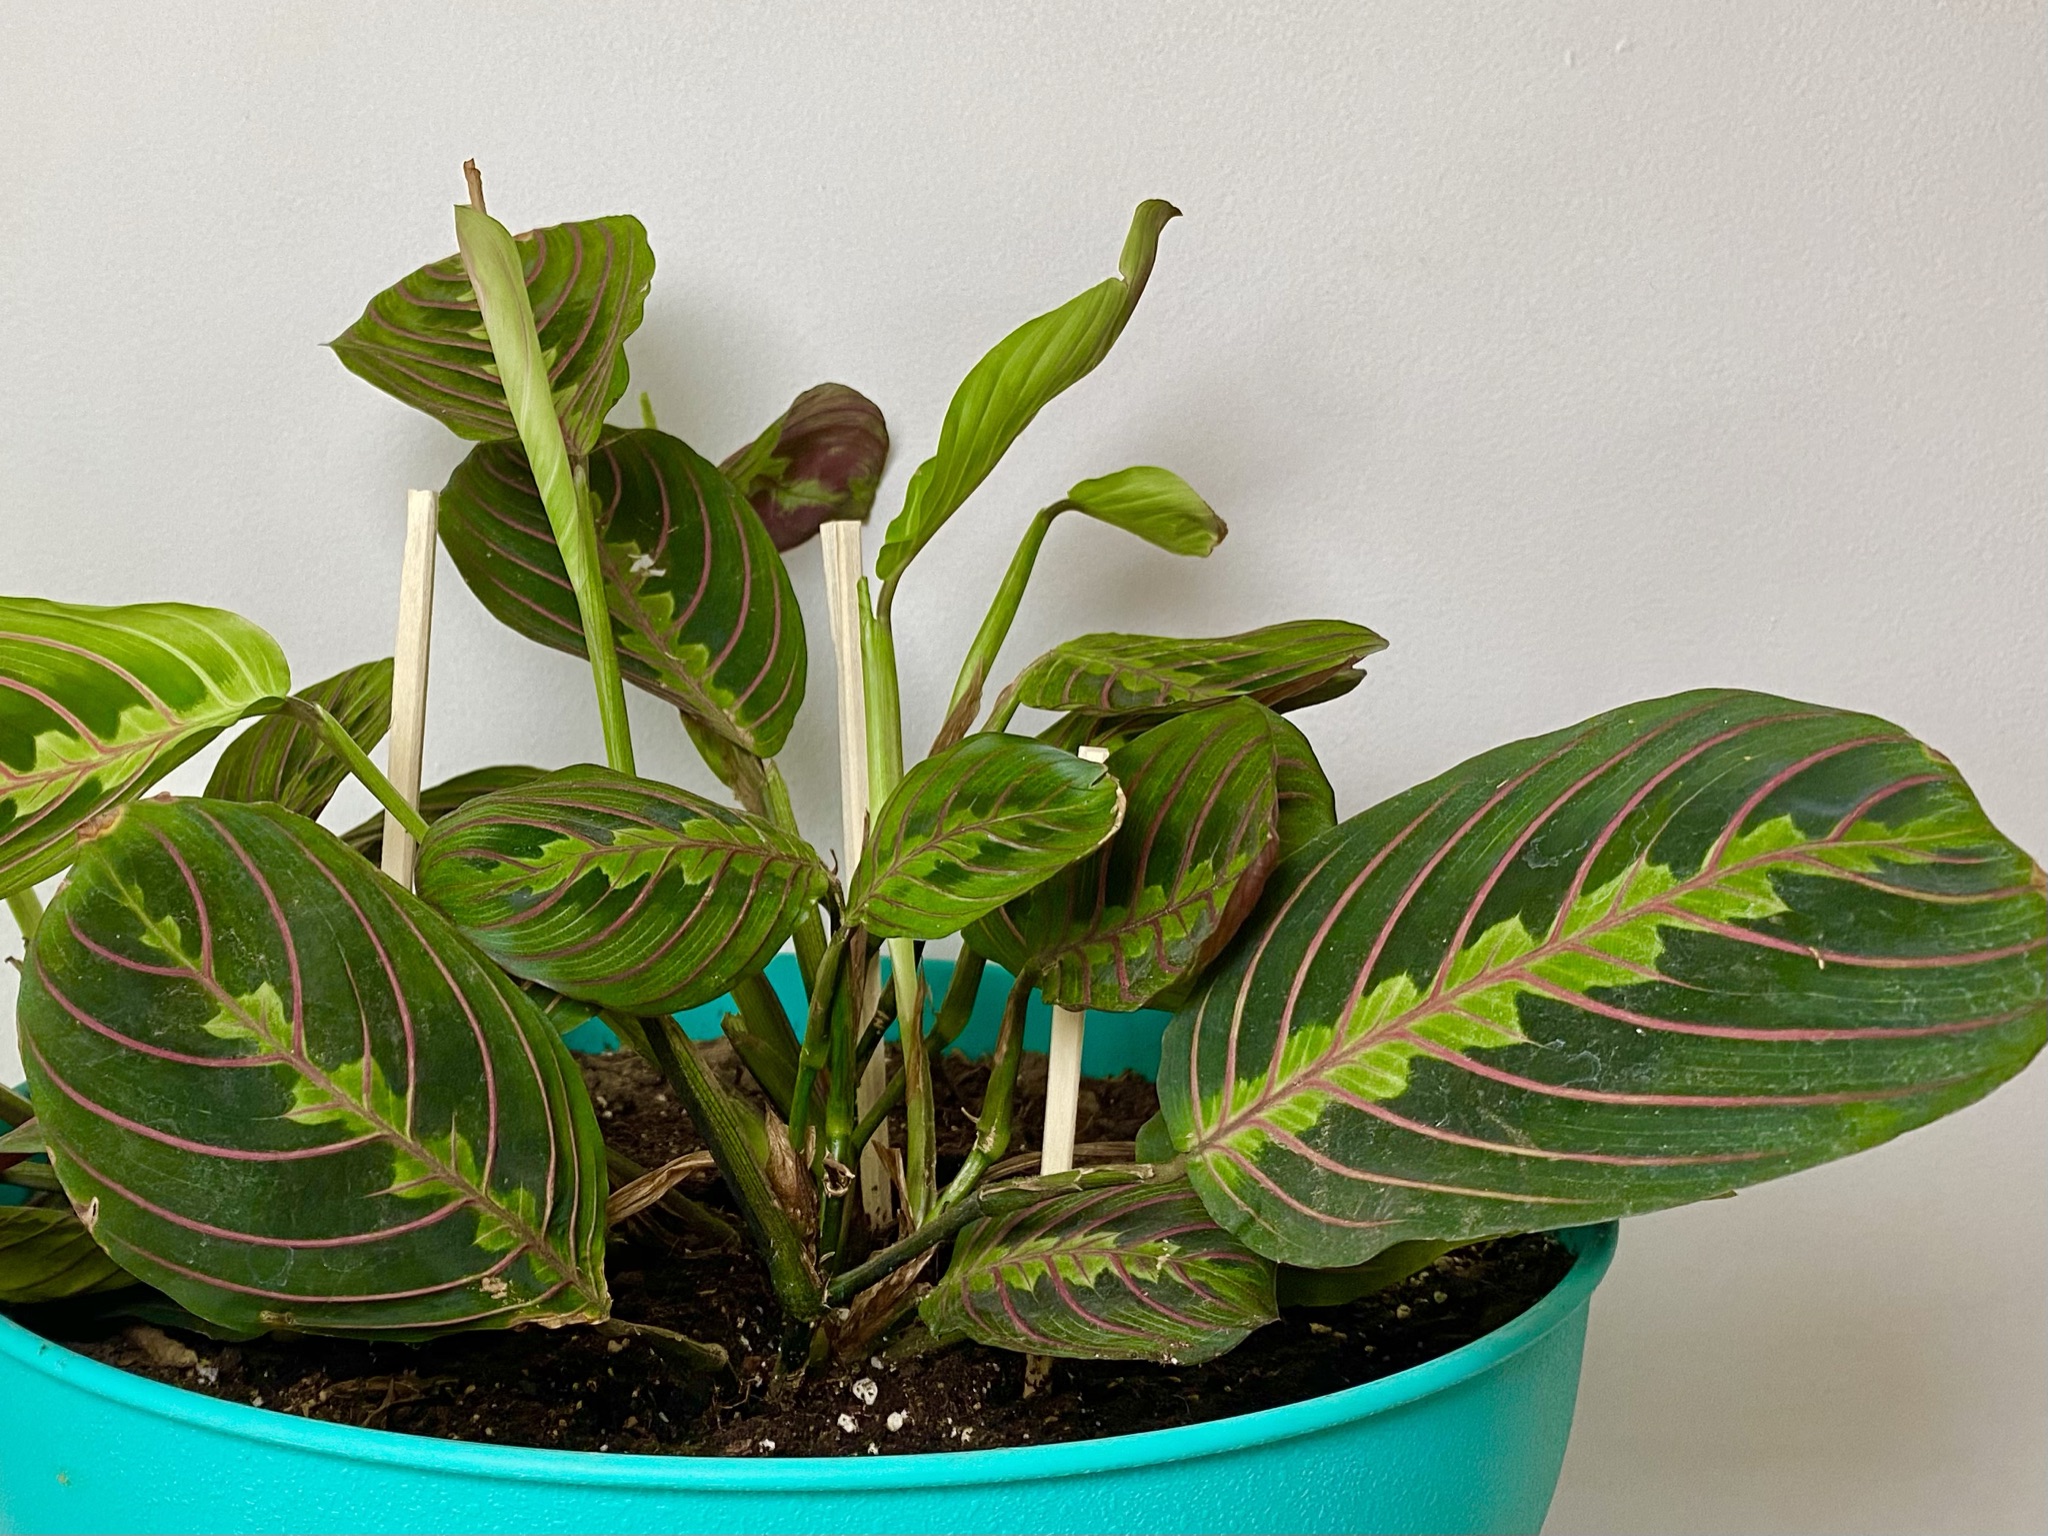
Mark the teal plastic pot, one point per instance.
(1472, 1441)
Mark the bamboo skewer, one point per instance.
(409, 678)
(1063, 1066)
(839, 540)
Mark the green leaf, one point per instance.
(287, 1093)
(1680, 948)
(975, 826)
(1018, 378)
(283, 759)
(701, 605)
(619, 891)
(1308, 805)
(819, 460)
(437, 800)
(1130, 1273)
(1156, 505)
(1340, 1287)
(47, 1255)
(1167, 891)
(1141, 674)
(97, 704)
(423, 341)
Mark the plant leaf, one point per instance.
(702, 608)
(97, 704)
(47, 1255)
(283, 760)
(819, 460)
(1167, 891)
(437, 800)
(619, 891)
(1018, 378)
(1679, 948)
(1156, 505)
(293, 1096)
(1308, 805)
(1141, 674)
(422, 340)
(975, 826)
(1129, 1273)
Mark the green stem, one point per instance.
(954, 1013)
(992, 1126)
(1000, 712)
(732, 1138)
(762, 1037)
(27, 908)
(344, 746)
(884, 704)
(595, 613)
(841, 1110)
(920, 1149)
(813, 1049)
(810, 929)
(995, 629)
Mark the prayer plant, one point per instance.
(1673, 950)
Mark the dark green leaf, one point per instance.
(1682, 947)
(973, 827)
(437, 800)
(47, 1255)
(1139, 674)
(1130, 1273)
(701, 605)
(290, 1095)
(97, 704)
(619, 891)
(422, 340)
(1156, 505)
(1340, 1287)
(1165, 893)
(1018, 378)
(820, 460)
(284, 760)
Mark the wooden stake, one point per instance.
(409, 677)
(839, 541)
(1063, 1067)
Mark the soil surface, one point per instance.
(576, 1389)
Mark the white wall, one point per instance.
(1588, 351)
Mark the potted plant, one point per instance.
(277, 1089)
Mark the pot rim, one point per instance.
(1593, 1247)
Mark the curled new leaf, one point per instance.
(701, 606)
(1128, 1273)
(1018, 378)
(973, 827)
(284, 760)
(820, 460)
(1677, 949)
(1156, 505)
(618, 891)
(437, 800)
(423, 341)
(290, 1095)
(1141, 674)
(1152, 905)
(97, 704)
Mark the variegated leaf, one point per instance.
(1128, 1273)
(819, 460)
(47, 1255)
(975, 826)
(437, 800)
(422, 340)
(286, 1092)
(1165, 893)
(1149, 674)
(702, 609)
(284, 760)
(1680, 948)
(619, 891)
(97, 704)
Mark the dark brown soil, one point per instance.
(575, 1389)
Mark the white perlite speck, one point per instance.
(896, 1420)
(848, 1423)
(866, 1390)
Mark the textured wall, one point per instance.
(1587, 351)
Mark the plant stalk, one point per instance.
(992, 1126)
(954, 1013)
(995, 629)
(27, 908)
(920, 1148)
(344, 746)
(813, 1051)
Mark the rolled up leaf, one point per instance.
(97, 704)
(1147, 674)
(1019, 377)
(422, 340)
(1152, 905)
(1677, 949)
(1131, 1273)
(437, 800)
(702, 609)
(619, 891)
(288, 1093)
(47, 1255)
(820, 460)
(973, 827)
(284, 760)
